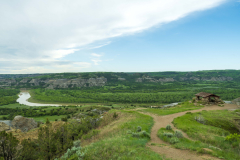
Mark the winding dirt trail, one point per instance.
(164, 148)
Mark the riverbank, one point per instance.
(25, 96)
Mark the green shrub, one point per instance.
(142, 134)
(168, 127)
(233, 137)
(178, 134)
(139, 129)
(115, 115)
(174, 140)
(145, 134)
(47, 121)
(169, 135)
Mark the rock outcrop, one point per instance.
(149, 79)
(4, 127)
(24, 124)
(236, 101)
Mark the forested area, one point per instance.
(37, 112)
(51, 143)
(8, 96)
(79, 96)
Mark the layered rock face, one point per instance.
(24, 124)
(66, 83)
(184, 79)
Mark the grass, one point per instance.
(183, 143)
(50, 118)
(118, 144)
(208, 129)
(15, 105)
(120, 147)
(186, 106)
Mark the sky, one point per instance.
(58, 36)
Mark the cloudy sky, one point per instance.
(42, 36)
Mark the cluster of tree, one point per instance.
(8, 96)
(145, 96)
(36, 112)
(77, 96)
(51, 142)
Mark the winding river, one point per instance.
(23, 99)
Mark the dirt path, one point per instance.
(166, 149)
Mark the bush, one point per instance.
(139, 129)
(115, 115)
(145, 134)
(71, 152)
(56, 119)
(64, 119)
(142, 134)
(47, 121)
(169, 135)
(233, 137)
(168, 127)
(178, 134)
(174, 140)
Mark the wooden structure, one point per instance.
(207, 97)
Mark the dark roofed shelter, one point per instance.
(207, 96)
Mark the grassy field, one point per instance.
(118, 142)
(186, 106)
(15, 105)
(208, 129)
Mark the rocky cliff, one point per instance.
(53, 83)
(149, 79)
(24, 124)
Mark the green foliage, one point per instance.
(8, 146)
(123, 146)
(168, 127)
(233, 137)
(8, 96)
(74, 153)
(174, 140)
(169, 135)
(29, 150)
(178, 134)
(139, 129)
(47, 122)
(215, 132)
(115, 115)
(142, 134)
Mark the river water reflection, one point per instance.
(24, 96)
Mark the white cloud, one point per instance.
(96, 55)
(48, 30)
(107, 43)
(96, 58)
(96, 61)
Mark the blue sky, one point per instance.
(191, 39)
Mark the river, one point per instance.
(23, 99)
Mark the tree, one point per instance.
(8, 146)
(29, 151)
(47, 143)
(47, 122)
